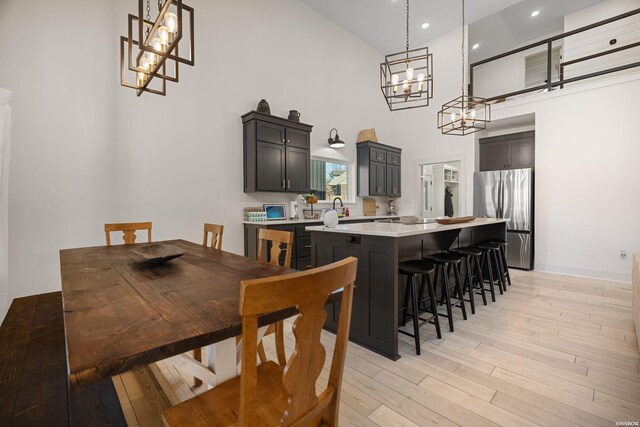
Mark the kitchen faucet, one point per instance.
(341, 205)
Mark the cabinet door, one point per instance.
(270, 167)
(269, 132)
(298, 138)
(298, 170)
(521, 153)
(378, 155)
(377, 179)
(393, 158)
(393, 181)
(494, 156)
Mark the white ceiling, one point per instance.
(514, 26)
(498, 25)
(382, 23)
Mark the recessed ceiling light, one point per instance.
(425, 25)
(475, 46)
(535, 13)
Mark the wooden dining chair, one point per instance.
(276, 238)
(216, 231)
(128, 231)
(270, 395)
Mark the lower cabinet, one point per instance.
(301, 250)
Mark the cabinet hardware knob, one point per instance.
(283, 184)
(288, 184)
(288, 140)
(282, 140)
(308, 266)
(307, 246)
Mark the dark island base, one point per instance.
(374, 322)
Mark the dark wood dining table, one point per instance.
(120, 314)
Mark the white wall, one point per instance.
(189, 169)
(626, 31)
(587, 174)
(422, 141)
(58, 60)
(5, 155)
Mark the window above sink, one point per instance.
(331, 179)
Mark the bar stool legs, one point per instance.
(444, 262)
(411, 296)
(503, 258)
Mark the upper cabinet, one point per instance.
(277, 154)
(514, 151)
(378, 170)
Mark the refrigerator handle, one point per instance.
(500, 199)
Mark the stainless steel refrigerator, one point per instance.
(508, 194)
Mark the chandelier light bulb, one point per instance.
(406, 87)
(171, 20)
(145, 63)
(140, 77)
(421, 82)
(163, 32)
(156, 44)
(409, 73)
(394, 82)
(453, 117)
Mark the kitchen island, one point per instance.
(379, 248)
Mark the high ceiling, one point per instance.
(497, 25)
(515, 26)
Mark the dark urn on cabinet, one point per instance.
(379, 170)
(277, 154)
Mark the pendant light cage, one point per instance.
(151, 51)
(465, 114)
(406, 78)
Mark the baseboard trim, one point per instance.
(585, 272)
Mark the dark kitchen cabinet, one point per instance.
(379, 169)
(270, 168)
(277, 154)
(393, 181)
(297, 166)
(301, 249)
(514, 151)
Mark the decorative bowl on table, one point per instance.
(455, 220)
(156, 253)
(311, 214)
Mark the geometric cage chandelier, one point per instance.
(465, 114)
(406, 78)
(151, 50)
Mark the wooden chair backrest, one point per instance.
(308, 291)
(277, 238)
(129, 231)
(216, 231)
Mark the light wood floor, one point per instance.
(554, 350)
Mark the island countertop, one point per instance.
(384, 229)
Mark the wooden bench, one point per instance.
(34, 388)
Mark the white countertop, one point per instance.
(304, 221)
(385, 229)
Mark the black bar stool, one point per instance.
(473, 277)
(444, 263)
(411, 269)
(503, 257)
(490, 256)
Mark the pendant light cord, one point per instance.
(462, 48)
(407, 25)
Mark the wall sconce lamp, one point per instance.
(335, 142)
